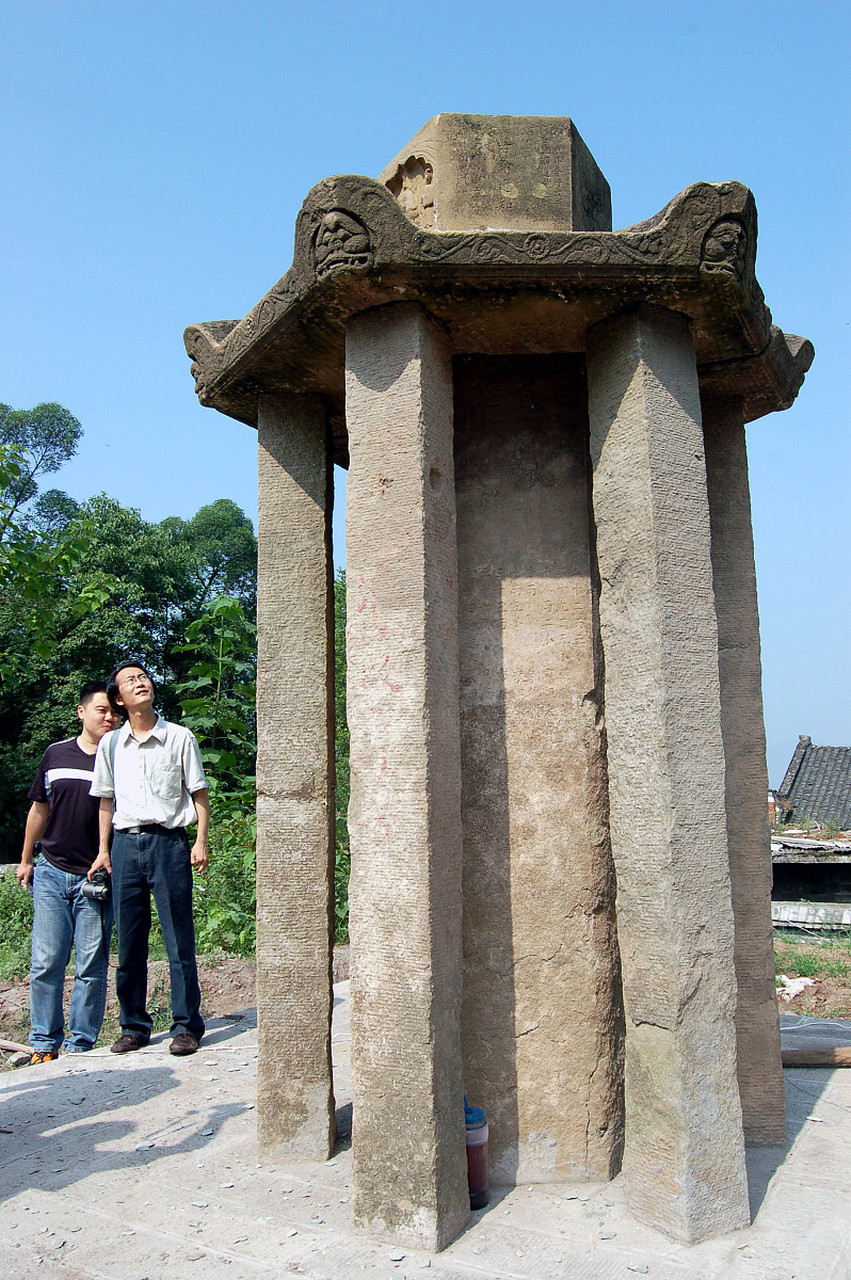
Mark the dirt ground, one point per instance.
(227, 989)
(829, 996)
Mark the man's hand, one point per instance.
(35, 828)
(199, 856)
(24, 874)
(101, 863)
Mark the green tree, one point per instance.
(35, 570)
(221, 555)
(85, 585)
(37, 558)
(217, 695)
(41, 440)
(45, 571)
(217, 701)
(131, 590)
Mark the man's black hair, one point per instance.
(89, 689)
(112, 682)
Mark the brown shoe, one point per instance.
(39, 1056)
(183, 1044)
(127, 1042)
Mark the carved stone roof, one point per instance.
(501, 292)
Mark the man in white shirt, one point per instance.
(151, 784)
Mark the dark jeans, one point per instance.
(155, 861)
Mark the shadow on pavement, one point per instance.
(804, 1086)
(56, 1132)
(220, 1030)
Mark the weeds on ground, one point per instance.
(159, 1007)
(225, 896)
(811, 956)
(16, 917)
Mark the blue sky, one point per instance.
(154, 157)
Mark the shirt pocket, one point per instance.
(166, 781)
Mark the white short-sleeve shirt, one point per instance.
(154, 778)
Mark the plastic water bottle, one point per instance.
(477, 1155)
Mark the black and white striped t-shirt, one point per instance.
(70, 839)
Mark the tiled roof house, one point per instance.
(817, 785)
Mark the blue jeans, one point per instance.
(155, 861)
(62, 917)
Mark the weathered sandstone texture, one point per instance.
(760, 1070)
(469, 172)
(666, 777)
(540, 948)
(295, 780)
(560, 868)
(405, 811)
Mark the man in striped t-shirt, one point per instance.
(63, 822)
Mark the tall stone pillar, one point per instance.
(540, 944)
(295, 779)
(405, 810)
(666, 777)
(743, 732)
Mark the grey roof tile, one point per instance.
(817, 784)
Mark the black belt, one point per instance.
(139, 827)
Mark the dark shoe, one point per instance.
(38, 1057)
(183, 1044)
(126, 1043)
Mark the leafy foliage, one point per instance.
(46, 578)
(217, 702)
(108, 586)
(221, 550)
(85, 585)
(225, 899)
(16, 917)
(217, 695)
(36, 566)
(41, 440)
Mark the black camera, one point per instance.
(97, 888)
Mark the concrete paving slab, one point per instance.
(146, 1167)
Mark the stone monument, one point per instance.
(560, 855)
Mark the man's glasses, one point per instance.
(133, 680)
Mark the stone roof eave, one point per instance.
(501, 292)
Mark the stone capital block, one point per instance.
(295, 780)
(405, 810)
(524, 173)
(684, 1167)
